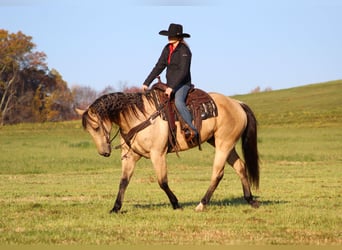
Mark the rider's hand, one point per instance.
(168, 92)
(144, 88)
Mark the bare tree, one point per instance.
(83, 96)
(108, 89)
(256, 90)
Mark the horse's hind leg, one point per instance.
(216, 177)
(239, 167)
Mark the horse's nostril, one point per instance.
(105, 154)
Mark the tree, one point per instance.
(107, 90)
(83, 96)
(59, 101)
(133, 89)
(256, 90)
(16, 55)
(29, 92)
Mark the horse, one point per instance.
(234, 120)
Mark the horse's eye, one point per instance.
(97, 129)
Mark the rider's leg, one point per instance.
(180, 97)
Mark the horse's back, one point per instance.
(230, 112)
(227, 103)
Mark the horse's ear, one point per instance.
(80, 111)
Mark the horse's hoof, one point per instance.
(200, 207)
(177, 207)
(255, 204)
(114, 211)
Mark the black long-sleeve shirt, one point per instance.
(178, 71)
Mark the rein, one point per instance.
(133, 131)
(116, 134)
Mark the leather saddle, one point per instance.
(200, 105)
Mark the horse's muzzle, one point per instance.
(104, 149)
(105, 154)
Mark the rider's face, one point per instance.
(173, 40)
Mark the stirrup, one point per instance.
(192, 137)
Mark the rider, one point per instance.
(176, 58)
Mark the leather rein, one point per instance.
(133, 131)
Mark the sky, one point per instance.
(236, 45)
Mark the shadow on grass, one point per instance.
(236, 201)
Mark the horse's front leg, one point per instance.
(159, 164)
(120, 196)
(128, 164)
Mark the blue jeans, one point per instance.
(180, 96)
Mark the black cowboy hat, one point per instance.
(175, 30)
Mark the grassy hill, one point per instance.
(317, 105)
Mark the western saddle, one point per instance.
(200, 104)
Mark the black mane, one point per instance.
(110, 106)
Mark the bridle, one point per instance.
(133, 131)
(107, 133)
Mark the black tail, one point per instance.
(250, 147)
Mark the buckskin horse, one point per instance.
(234, 120)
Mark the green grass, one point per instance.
(56, 189)
(314, 105)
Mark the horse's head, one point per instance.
(98, 129)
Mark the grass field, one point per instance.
(56, 189)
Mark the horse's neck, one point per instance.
(129, 120)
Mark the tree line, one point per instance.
(30, 91)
